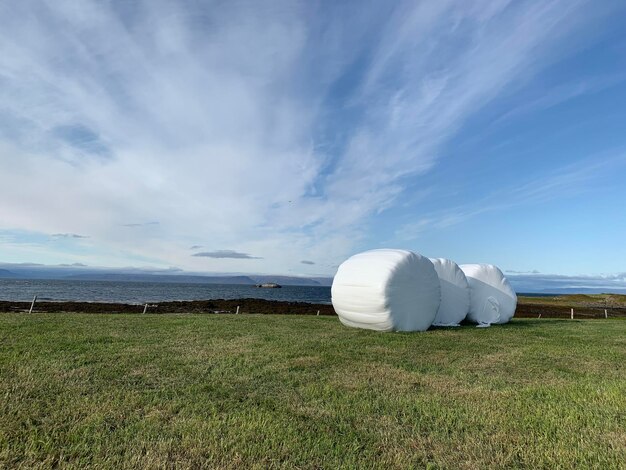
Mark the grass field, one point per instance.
(577, 300)
(129, 391)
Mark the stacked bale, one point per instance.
(386, 290)
(492, 299)
(398, 290)
(455, 293)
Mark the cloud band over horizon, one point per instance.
(225, 254)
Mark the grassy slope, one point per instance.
(578, 300)
(146, 391)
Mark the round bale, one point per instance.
(492, 299)
(386, 290)
(455, 293)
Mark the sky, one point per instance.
(284, 136)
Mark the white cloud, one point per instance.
(562, 183)
(554, 283)
(225, 254)
(225, 124)
(68, 235)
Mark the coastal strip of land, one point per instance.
(216, 306)
(558, 306)
(584, 306)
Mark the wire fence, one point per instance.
(548, 311)
(259, 306)
(216, 306)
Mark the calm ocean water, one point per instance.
(141, 292)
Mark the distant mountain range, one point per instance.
(77, 272)
(172, 278)
(81, 273)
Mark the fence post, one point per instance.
(539, 316)
(572, 314)
(606, 314)
(145, 308)
(318, 313)
(237, 312)
(32, 305)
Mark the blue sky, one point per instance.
(284, 136)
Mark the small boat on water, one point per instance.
(269, 285)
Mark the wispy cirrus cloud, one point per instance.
(559, 94)
(555, 283)
(568, 181)
(280, 128)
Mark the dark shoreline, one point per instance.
(246, 306)
(525, 309)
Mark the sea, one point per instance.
(23, 290)
(136, 292)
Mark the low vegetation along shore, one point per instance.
(585, 306)
(560, 306)
(220, 306)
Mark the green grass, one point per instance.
(136, 391)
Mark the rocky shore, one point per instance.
(528, 307)
(246, 306)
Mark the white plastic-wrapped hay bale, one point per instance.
(455, 293)
(492, 299)
(386, 290)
